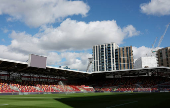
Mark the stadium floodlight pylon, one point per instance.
(89, 64)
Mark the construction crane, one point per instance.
(153, 44)
(90, 62)
(147, 54)
(162, 38)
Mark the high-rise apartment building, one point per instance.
(124, 58)
(163, 57)
(108, 57)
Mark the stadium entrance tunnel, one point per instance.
(120, 100)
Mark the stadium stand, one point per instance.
(139, 84)
(5, 88)
(132, 84)
(17, 77)
(27, 86)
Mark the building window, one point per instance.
(127, 60)
(126, 49)
(130, 66)
(123, 51)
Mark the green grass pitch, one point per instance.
(87, 100)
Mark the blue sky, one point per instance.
(65, 30)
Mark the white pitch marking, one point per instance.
(3, 104)
(122, 104)
(34, 97)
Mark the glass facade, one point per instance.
(108, 57)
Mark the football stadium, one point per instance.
(36, 85)
(84, 54)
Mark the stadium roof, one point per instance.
(22, 67)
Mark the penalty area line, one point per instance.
(122, 104)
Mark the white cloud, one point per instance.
(6, 53)
(156, 7)
(25, 43)
(53, 58)
(131, 31)
(76, 60)
(143, 52)
(80, 35)
(71, 35)
(39, 12)
(73, 60)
